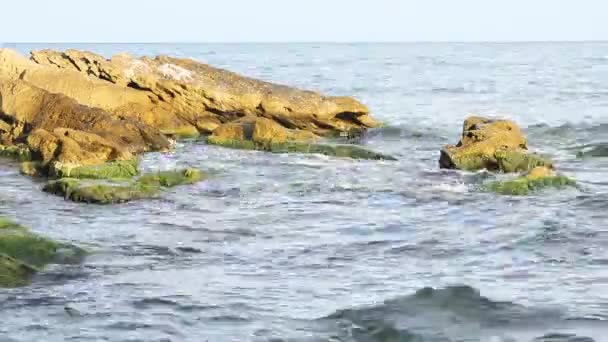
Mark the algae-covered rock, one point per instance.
(172, 178)
(120, 169)
(520, 160)
(23, 253)
(341, 151)
(17, 152)
(537, 179)
(100, 192)
(115, 191)
(265, 135)
(495, 145)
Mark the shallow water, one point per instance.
(310, 248)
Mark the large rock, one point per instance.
(203, 96)
(59, 130)
(495, 145)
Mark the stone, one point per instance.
(495, 145)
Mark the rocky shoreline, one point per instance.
(80, 121)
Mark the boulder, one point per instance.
(495, 145)
(23, 254)
(61, 133)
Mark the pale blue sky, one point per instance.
(301, 20)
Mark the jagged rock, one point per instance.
(60, 133)
(201, 95)
(23, 254)
(495, 145)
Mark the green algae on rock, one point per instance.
(17, 152)
(341, 151)
(23, 253)
(99, 192)
(262, 134)
(520, 161)
(119, 169)
(171, 178)
(115, 191)
(538, 178)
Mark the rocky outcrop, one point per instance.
(61, 132)
(495, 145)
(266, 135)
(23, 254)
(172, 93)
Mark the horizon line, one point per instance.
(314, 42)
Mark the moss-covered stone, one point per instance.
(523, 185)
(171, 178)
(16, 152)
(23, 253)
(186, 132)
(100, 192)
(520, 161)
(120, 169)
(109, 192)
(342, 151)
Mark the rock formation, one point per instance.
(495, 145)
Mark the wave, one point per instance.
(592, 150)
(455, 313)
(567, 128)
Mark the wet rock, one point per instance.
(17, 152)
(114, 191)
(122, 169)
(536, 179)
(265, 135)
(100, 192)
(495, 145)
(23, 254)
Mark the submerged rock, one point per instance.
(495, 145)
(113, 191)
(265, 135)
(23, 254)
(537, 179)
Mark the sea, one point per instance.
(309, 248)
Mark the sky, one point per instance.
(302, 20)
